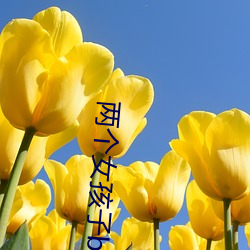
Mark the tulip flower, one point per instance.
(202, 217)
(47, 76)
(183, 237)
(52, 71)
(159, 189)
(136, 233)
(40, 149)
(71, 185)
(135, 95)
(118, 115)
(31, 202)
(218, 151)
(50, 233)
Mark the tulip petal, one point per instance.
(228, 146)
(57, 220)
(95, 64)
(78, 179)
(108, 246)
(116, 74)
(57, 173)
(42, 234)
(182, 237)
(14, 223)
(71, 82)
(38, 193)
(192, 129)
(36, 198)
(115, 237)
(137, 131)
(167, 192)
(61, 238)
(58, 140)
(142, 240)
(130, 186)
(203, 219)
(198, 166)
(24, 65)
(50, 232)
(135, 95)
(137, 233)
(10, 143)
(61, 100)
(148, 169)
(62, 27)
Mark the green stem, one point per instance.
(235, 235)
(13, 182)
(227, 224)
(156, 234)
(73, 235)
(88, 227)
(209, 243)
(3, 186)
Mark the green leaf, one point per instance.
(19, 240)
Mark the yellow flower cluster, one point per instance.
(55, 87)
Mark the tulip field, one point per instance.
(124, 126)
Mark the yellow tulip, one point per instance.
(182, 237)
(159, 189)
(71, 185)
(136, 233)
(218, 151)
(40, 149)
(202, 217)
(47, 73)
(135, 95)
(239, 210)
(62, 27)
(50, 233)
(31, 202)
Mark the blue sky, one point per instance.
(196, 53)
